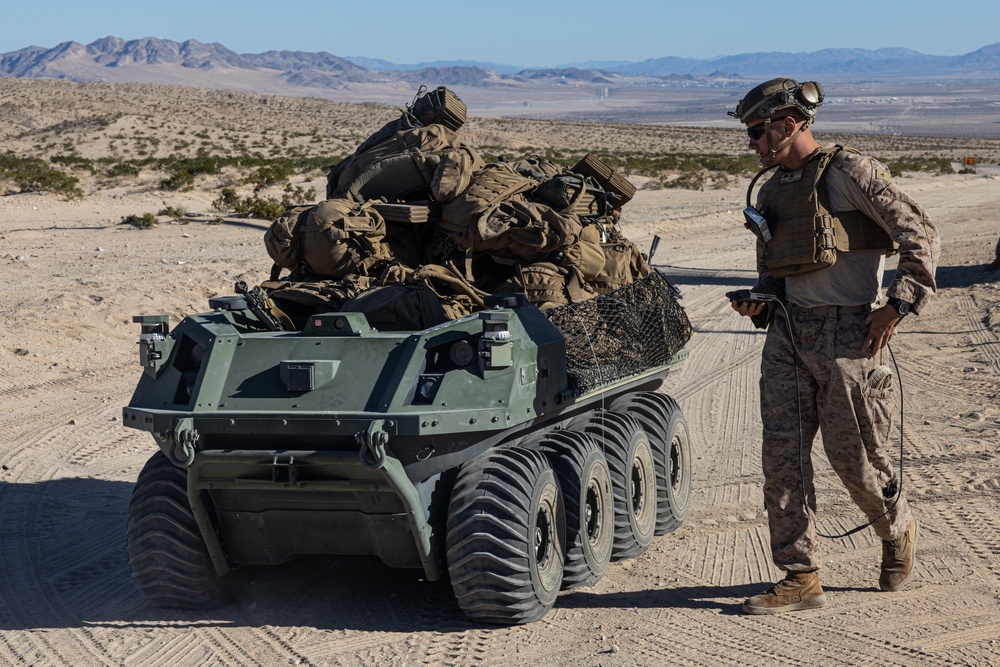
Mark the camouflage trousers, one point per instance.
(840, 396)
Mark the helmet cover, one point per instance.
(770, 97)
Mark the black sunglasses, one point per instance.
(757, 131)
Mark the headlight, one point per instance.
(197, 354)
(462, 353)
(429, 386)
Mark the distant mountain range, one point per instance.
(838, 63)
(153, 60)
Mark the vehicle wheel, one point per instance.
(633, 480)
(585, 479)
(662, 420)
(166, 552)
(506, 536)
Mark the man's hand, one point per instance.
(881, 326)
(748, 308)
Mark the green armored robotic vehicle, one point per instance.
(515, 451)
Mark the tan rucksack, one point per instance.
(524, 231)
(406, 121)
(339, 237)
(428, 159)
(586, 255)
(282, 242)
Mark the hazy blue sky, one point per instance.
(518, 32)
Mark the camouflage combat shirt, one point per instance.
(857, 182)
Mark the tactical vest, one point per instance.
(806, 236)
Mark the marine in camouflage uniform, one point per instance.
(834, 378)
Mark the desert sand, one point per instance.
(75, 276)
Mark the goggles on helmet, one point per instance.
(767, 99)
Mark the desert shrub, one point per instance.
(935, 165)
(74, 162)
(125, 168)
(255, 205)
(182, 171)
(31, 174)
(144, 221)
(178, 181)
(228, 200)
(689, 179)
(276, 171)
(173, 212)
(297, 194)
(170, 211)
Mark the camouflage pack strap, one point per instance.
(394, 273)
(452, 277)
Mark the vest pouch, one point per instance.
(544, 284)
(495, 183)
(623, 264)
(808, 254)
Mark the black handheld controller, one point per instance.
(748, 295)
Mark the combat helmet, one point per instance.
(768, 98)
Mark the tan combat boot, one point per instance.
(798, 590)
(897, 558)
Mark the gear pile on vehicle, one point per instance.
(458, 373)
(415, 216)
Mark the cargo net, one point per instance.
(623, 333)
